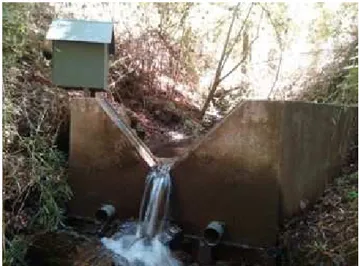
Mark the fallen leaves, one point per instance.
(327, 233)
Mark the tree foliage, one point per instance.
(15, 30)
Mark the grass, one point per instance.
(15, 252)
(35, 186)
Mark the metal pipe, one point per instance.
(213, 233)
(105, 213)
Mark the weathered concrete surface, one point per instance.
(258, 165)
(108, 163)
(313, 142)
(230, 176)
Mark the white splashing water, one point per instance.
(142, 246)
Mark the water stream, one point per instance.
(140, 243)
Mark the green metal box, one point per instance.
(81, 53)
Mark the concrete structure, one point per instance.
(230, 176)
(251, 170)
(80, 52)
(258, 165)
(107, 162)
(313, 143)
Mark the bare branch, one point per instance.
(213, 87)
(233, 69)
(276, 75)
(224, 51)
(280, 47)
(236, 39)
(244, 56)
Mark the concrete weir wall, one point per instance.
(108, 163)
(313, 142)
(261, 163)
(230, 176)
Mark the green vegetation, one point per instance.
(338, 82)
(327, 234)
(163, 55)
(14, 31)
(34, 181)
(15, 251)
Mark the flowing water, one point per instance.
(140, 243)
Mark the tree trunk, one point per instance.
(213, 89)
(245, 50)
(219, 66)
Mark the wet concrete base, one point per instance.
(225, 254)
(67, 248)
(75, 248)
